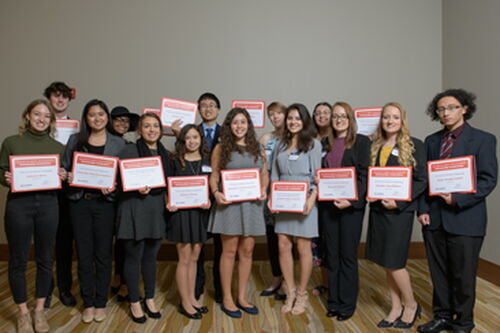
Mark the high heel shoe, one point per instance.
(386, 324)
(300, 303)
(151, 314)
(290, 300)
(402, 324)
(138, 320)
(183, 311)
(202, 309)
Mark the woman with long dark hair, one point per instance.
(188, 227)
(237, 222)
(33, 214)
(296, 158)
(92, 211)
(341, 221)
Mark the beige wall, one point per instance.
(471, 51)
(132, 53)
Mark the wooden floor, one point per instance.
(372, 305)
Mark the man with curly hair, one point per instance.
(454, 224)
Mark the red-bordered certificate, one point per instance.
(188, 191)
(173, 109)
(137, 173)
(94, 171)
(289, 196)
(65, 128)
(256, 109)
(241, 184)
(337, 184)
(451, 175)
(367, 119)
(391, 183)
(34, 173)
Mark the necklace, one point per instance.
(196, 169)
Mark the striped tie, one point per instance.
(446, 146)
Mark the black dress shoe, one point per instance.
(48, 301)
(202, 309)
(342, 317)
(461, 331)
(435, 326)
(138, 320)
(151, 314)
(332, 313)
(67, 299)
(195, 315)
(402, 324)
(385, 324)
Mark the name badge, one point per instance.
(206, 168)
(293, 157)
(268, 152)
(323, 154)
(395, 151)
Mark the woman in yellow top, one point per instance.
(391, 222)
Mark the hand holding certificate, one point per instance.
(389, 183)
(188, 192)
(452, 175)
(241, 185)
(137, 173)
(174, 109)
(94, 171)
(34, 173)
(288, 196)
(337, 184)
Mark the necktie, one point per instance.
(446, 146)
(209, 138)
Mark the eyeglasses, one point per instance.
(206, 106)
(450, 108)
(339, 116)
(125, 120)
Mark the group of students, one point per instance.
(454, 225)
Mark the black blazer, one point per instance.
(357, 156)
(468, 216)
(418, 183)
(216, 136)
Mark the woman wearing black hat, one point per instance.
(123, 120)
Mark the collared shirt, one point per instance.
(205, 127)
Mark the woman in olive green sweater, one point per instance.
(32, 214)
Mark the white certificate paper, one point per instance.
(452, 175)
(391, 183)
(288, 196)
(34, 173)
(256, 109)
(337, 184)
(241, 185)
(137, 173)
(65, 128)
(173, 109)
(188, 191)
(367, 119)
(94, 171)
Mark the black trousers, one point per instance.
(140, 256)
(453, 261)
(273, 250)
(341, 232)
(31, 215)
(93, 222)
(200, 271)
(119, 253)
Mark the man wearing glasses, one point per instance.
(454, 224)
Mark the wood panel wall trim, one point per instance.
(487, 270)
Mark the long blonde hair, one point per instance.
(405, 145)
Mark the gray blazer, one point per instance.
(114, 145)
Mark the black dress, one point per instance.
(188, 225)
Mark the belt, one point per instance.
(92, 196)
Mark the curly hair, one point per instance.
(306, 135)
(180, 144)
(228, 143)
(464, 97)
(25, 123)
(405, 145)
(58, 87)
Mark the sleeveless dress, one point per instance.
(244, 218)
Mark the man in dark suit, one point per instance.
(454, 224)
(59, 95)
(209, 108)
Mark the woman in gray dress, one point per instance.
(237, 222)
(296, 158)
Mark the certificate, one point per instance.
(188, 192)
(94, 171)
(288, 196)
(65, 128)
(241, 185)
(452, 175)
(337, 184)
(34, 173)
(152, 110)
(137, 173)
(391, 183)
(173, 109)
(256, 109)
(367, 119)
